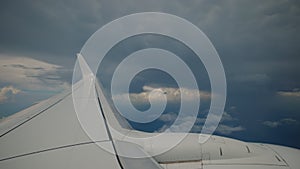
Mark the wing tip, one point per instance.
(84, 67)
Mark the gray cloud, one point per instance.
(294, 93)
(31, 75)
(225, 127)
(7, 92)
(251, 33)
(226, 117)
(258, 43)
(285, 121)
(227, 130)
(172, 94)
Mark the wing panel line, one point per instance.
(52, 149)
(108, 131)
(15, 127)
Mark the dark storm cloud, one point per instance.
(44, 26)
(258, 43)
(251, 33)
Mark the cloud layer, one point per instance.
(31, 75)
(258, 43)
(285, 121)
(173, 95)
(8, 92)
(225, 127)
(294, 93)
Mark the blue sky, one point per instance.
(258, 43)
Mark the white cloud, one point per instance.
(289, 121)
(271, 124)
(169, 117)
(227, 117)
(7, 93)
(31, 74)
(225, 129)
(228, 124)
(285, 121)
(184, 124)
(294, 93)
(173, 95)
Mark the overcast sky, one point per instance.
(258, 43)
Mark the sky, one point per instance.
(257, 41)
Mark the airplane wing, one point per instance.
(49, 135)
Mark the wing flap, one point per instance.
(132, 156)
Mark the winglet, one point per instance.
(84, 67)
